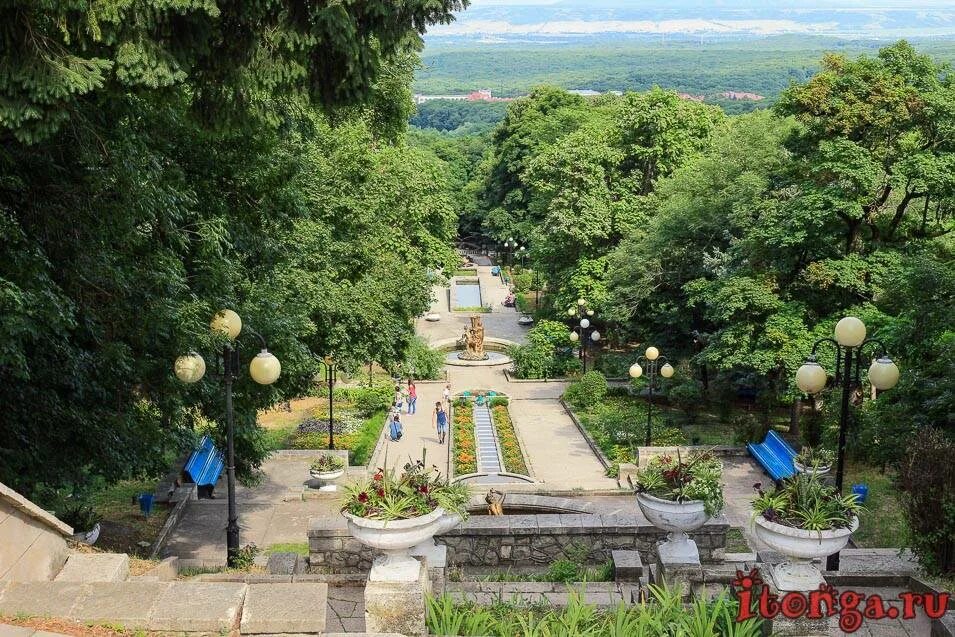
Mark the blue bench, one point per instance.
(204, 466)
(775, 455)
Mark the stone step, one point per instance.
(284, 608)
(95, 567)
(154, 606)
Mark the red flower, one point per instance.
(377, 477)
(423, 488)
(380, 492)
(363, 497)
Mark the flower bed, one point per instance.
(507, 440)
(465, 452)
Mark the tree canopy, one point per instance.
(159, 163)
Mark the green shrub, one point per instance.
(245, 557)
(587, 392)
(370, 400)
(421, 362)
(927, 476)
(748, 428)
(523, 282)
(498, 400)
(531, 361)
(614, 364)
(663, 614)
(688, 398)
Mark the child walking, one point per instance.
(440, 421)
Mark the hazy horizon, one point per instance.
(507, 19)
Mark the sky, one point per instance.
(862, 18)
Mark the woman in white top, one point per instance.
(447, 395)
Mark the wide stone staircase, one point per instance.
(94, 589)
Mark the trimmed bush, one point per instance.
(588, 391)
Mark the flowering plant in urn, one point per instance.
(803, 519)
(393, 513)
(679, 496)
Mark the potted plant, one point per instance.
(679, 495)
(817, 461)
(393, 513)
(85, 522)
(325, 468)
(803, 519)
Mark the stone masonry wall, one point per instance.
(517, 541)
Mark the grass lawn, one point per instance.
(300, 548)
(123, 526)
(882, 524)
(280, 428)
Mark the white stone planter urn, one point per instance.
(800, 547)
(821, 470)
(435, 555)
(678, 518)
(395, 538)
(325, 478)
(88, 537)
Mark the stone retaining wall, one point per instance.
(514, 541)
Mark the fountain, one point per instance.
(473, 341)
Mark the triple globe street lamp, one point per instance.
(850, 343)
(264, 369)
(584, 333)
(651, 359)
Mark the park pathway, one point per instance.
(419, 435)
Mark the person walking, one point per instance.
(447, 396)
(412, 397)
(440, 421)
(399, 397)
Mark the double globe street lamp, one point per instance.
(652, 359)
(264, 369)
(850, 343)
(580, 333)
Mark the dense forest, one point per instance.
(734, 242)
(256, 160)
(765, 66)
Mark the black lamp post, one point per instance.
(850, 343)
(264, 369)
(652, 360)
(584, 332)
(331, 375)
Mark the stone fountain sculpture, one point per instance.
(473, 341)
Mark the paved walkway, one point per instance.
(419, 435)
(557, 454)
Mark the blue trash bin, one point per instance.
(861, 490)
(146, 503)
